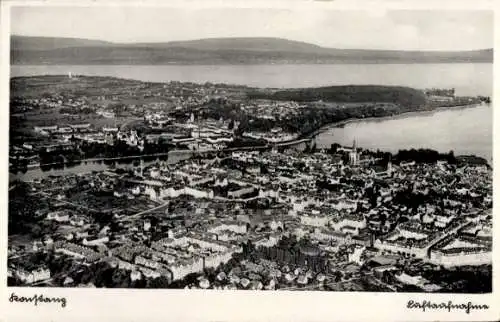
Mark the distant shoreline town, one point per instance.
(312, 113)
(256, 206)
(164, 155)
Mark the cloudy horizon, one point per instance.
(384, 30)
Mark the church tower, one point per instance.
(353, 155)
(389, 166)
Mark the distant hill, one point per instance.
(241, 44)
(24, 43)
(68, 51)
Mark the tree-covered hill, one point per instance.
(403, 96)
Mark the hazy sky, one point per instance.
(411, 30)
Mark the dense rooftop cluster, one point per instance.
(266, 220)
(254, 205)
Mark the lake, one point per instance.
(463, 130)
(466, 131)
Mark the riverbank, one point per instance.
(385, 118)
(90, 160)
(88, 167)
(99, 164)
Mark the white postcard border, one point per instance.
(194, 305)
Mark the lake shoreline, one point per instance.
(176, 155)
(386, 118)
(466, 130)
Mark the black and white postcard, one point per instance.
(227, 162)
